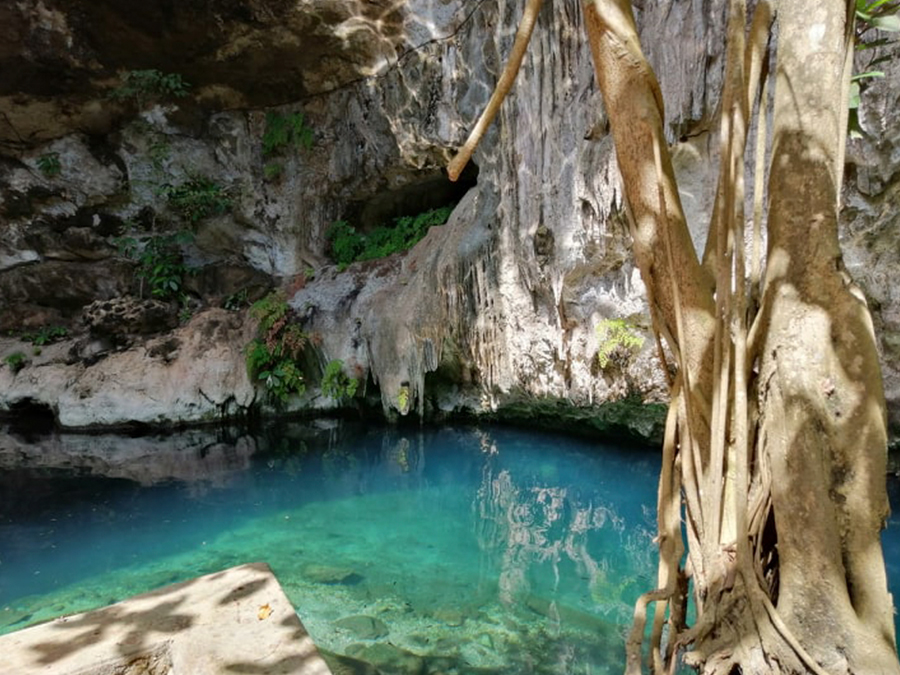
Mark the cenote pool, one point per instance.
(453, 550)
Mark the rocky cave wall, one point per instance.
(497, 308)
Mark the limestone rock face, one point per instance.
(498, 307)
(195, 373)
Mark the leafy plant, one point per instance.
(236, 301)
(197, 198)
(185, 313)
(273, 170)
(159, 152)
(346, 243)
(403, 399)
(16, 361)
(283, 131)
(142, 86)
(49, 164)
(160, 262)
(336, 383)
(272, 356)
(46, 335)
(617, 339)
(349, 245)
(877, 15)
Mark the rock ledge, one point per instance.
(238, 620)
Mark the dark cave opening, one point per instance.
(431, 191)
(30, 418)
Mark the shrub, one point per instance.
(16, 361)
(160, 262)
(348, 245)
(142, 86)
(272, 356)
(197, 198)
(336, 383)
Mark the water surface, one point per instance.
(448, 550)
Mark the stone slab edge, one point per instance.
(235, 621)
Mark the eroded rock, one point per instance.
(196, 374)
(123, 317)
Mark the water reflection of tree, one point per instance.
(527, 522)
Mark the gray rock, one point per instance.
(328, 574)
(388, 658)
(363, 627)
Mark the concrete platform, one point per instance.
(230, 622)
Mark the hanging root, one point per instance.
(523, 35)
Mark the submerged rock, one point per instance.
(326, 574)
(388, 658)
(363, 627)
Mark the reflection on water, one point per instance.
(428, 551)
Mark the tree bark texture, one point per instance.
(775, 443)
(777, 436)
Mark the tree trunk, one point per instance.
(775, 443)
(785, 552)
(822, 413)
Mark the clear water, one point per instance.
(491, 550)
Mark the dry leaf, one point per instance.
(264, 612)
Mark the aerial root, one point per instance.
(507, 77)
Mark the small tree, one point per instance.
(775, 442)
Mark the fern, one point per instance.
(283, 131)
(615, 336)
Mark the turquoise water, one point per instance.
(466, 550)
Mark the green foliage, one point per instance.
(49, 164)
(273, 170)
(185, 313)
(403, 399)
(879, 14)
(272, 356)
(46, 335)
(142, 86)
(617, 340)
(346, 242)
(283, 131)
(160, 263)
(159, 152)
(197, 198)
(871, 15)
(270, 310)
(336, 383)
(236, 301)
(16, 361)
(348, 245)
